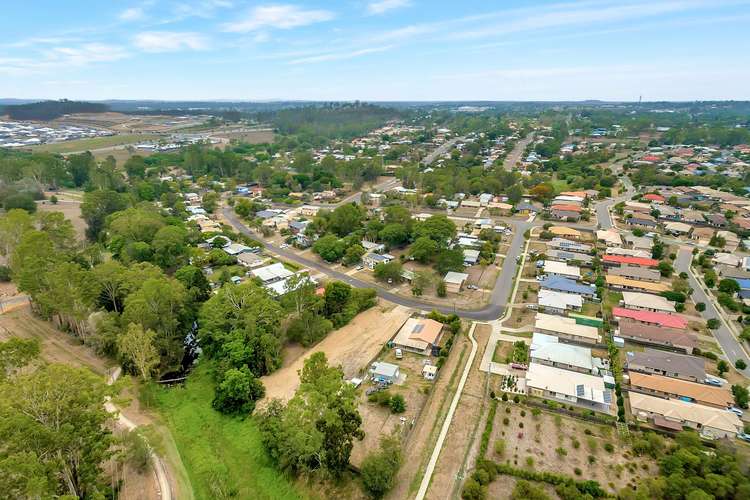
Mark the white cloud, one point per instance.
(59, 58)
(278, 17)
(131, 14)
(382, 6)
(170, 41)
(338, 56)
(202, 8)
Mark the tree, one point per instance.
(389, 271)
(514, 193)
(423, 249)
(136, 346)
(439, 228)
(96, 206)
(59, 229)
(169, 245)
(740, 394)
(397, 403)
(336, 297)
(346, 219)
(55, 433)
(722, 367)
(329, 247)
(316, 429)
(13, 225)
(713, 323)
(353, 255)
(524, 490)
(542, 192)
(237, 392)
(394, 234)
(379, 468)
(239, 326)
(450, 260)
(665, 269)
(740, 364)
(441, 289)
(421, 281)
(15, 353)
(19, 201)
(700, 306)
(729, 286)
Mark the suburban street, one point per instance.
(440, 150)
(603, 217)
(515, 155)
(724, 336)
(493, 310)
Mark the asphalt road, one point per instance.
(515, 155)
(493, 310)
(440, 150)
(603, 217)
(728, 342)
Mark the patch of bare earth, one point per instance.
(352, 347)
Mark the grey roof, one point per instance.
(670, 362)
(567, 285)
(565, 256)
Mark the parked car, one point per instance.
(744, 437)
(735, 410)
(399, 354)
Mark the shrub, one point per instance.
(561, 452)
(4, 273)
(397, 404)
(609, 447)
(506, 421)
(576, 443)
(379, 468)
(740, 364)
(472, 490)
(500, 447)
(529, 462)
(577, 471)
(713, 323)
(504, 397)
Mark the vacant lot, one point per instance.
(70, 208)
(563, 445)
(352, 347)
(250, 136)
(93, 143)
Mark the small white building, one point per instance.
(454, 281)
(383, 372)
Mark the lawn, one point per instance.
(94, 143)
(221, 454)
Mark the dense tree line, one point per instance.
(49, 110)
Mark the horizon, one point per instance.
(378, 51)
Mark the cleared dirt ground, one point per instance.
(559, 444)
(352, 347)
(70, 208)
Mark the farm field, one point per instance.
(93, 143)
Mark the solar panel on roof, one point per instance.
(580, 391)
(607, 397)
(417, 328)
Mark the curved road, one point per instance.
(492, 310)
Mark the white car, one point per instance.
(284, 245)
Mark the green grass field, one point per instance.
(94, 143)
(221, 454)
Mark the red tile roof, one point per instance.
(627, 259)
(653, 197)
(651, 158)
(563, 206)
(655, 318)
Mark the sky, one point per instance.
(376, 50)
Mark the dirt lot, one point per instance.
(378, 420)
(461, 445)
(70, 208)
(352, 347)
(251, 136)
(560, 444)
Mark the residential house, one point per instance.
(569, 257)
(271, 273)
(678, 228)
(621, 283)
(570, 246)
(525, 208)
(668, 364)
(673, 388)
(731, 240)
(623, 260)
(641, 220)
(569, 286)
(646, 254)
(548, 350)
(716, 220)
(636, 273)
(718, 423)
(370, 260)
(565, 328)
(565, 232)
(554, 302)
(726, 259)
(386, 373)
(454, 281)
(657, 336)
(659, 319)
(238, 248)
(471, 257)
(419, 335)
(647, 302)
(560, 269)
(565, 212)
(639, 242)
(568, 387)
(609, 237)
(250, 259)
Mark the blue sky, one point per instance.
(376, 50)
